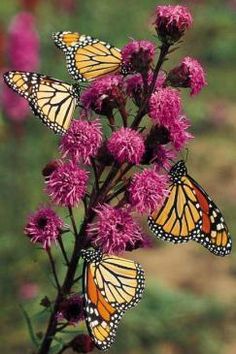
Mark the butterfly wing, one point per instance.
(179, 219)
(111, 286)
(51, 100)
(87, 58)
(214, 231)
(188, 213)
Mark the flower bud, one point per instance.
(171, 22)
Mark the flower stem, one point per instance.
(54, 272)
(143, 108)
(73, 221)
(94, 166)
(63, 250)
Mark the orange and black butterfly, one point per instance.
(188, 213)
(112, 285)
(52, 100)
(88, 58)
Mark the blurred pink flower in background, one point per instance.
(28, 291)
(22, 54)
(23, 47)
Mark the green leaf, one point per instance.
(30, 327)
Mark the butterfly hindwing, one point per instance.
(111, 286)
(215, 233)
(87, 58)
(53, 101)
(188, 213)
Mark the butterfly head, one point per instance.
(178, 171)
(91, 256)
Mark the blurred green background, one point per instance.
(189, 304)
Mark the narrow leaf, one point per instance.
(30, 327)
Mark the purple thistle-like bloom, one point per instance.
(179, 135)
(72, 309)
(165, 106)
(44, 226)
(148, 190)
(126, 145)
(114, 230)
(82, 140)
(104, 94)
(172, 21)
(82, 344)
(163, 157)
(196, 74)
(138, 54)
(23, 42)
(66, 185)
(134, 83)
(189, 74)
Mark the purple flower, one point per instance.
(126, 145)
(23, 42)
(172, 21)
(50, 168)
(163, 157)
(72, 309)
(165, 106)
(104, 94)
(66, 185)
(44, 226)
(139, 55)
(134, 84)
(82, 140)
(189, 73)
(148, 190)
(179, 135)
(82, 344)
(114, 230)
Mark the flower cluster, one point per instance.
(115, 230)
(82, 141)
(72, 309)
(118, 166)
(104, 95)
(148, 190)
(188, 74)
(126, 145)
(66, 185)
(139, 55)
(44, 227)
(171, 22)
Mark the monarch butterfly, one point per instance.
(111, 286)
(87, 58)
(188, 213)
(53, 101)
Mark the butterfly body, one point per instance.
(52, 100)
(87, 58)
(112, 285)
(188, 213)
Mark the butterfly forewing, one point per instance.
(111, 286)
(52, 100)
(87, 58)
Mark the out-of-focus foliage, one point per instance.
(169, 322)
